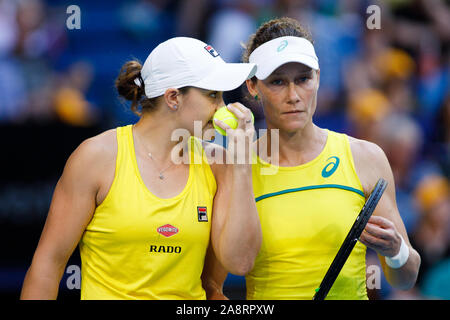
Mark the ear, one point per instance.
(171, 98)
(318, 78)
(251, 86)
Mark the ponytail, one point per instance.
(130, 86)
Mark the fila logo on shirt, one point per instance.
(202, 214)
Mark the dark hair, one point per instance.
(276, 28)
(129, 90)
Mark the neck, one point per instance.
(155, 136)
(296, 148)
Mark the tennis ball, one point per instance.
(225, 115)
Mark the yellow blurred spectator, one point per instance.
(395, 63)
(368, 106)
(431, 191)
(72, 107)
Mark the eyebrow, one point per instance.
(207, 91)
(306, 72)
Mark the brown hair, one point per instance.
(276, 28)
(128, 89)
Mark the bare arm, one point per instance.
(71, 209)
(385, 227)
(213, 277)
(236, 231)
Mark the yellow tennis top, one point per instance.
(139, 246)
(306, 212)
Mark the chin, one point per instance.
(293, 126)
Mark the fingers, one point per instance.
(378, 232)
(222, 125)
(373, 242)
(243, 114)
(382, 222)
(239, 148)
(233, 107)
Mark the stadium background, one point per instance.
(388, 85)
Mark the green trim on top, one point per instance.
(323, 186)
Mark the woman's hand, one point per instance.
(240, 139)
(380, 235)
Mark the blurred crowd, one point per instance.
(388, 85)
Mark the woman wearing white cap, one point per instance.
(143, 220)
(309, 202)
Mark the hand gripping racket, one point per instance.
(350, 241)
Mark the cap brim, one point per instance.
(227, 76)
(265, 69)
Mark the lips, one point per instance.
(293, 112)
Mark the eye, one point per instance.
(276, 82)
(214, 94)
(302, 79)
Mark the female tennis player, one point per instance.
(331, 175)
(310, 200)
(144, 221)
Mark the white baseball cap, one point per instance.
(181, 62)
(276, 52)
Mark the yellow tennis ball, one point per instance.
(225, 115)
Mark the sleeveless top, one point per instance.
(140, 246)
(306, 212)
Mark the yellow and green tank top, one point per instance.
(306, 212)
(139, 246)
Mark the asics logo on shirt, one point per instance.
(331, 167)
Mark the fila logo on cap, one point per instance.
(202, 215)
(211, 51)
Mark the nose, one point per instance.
(219, 104)
(293, 94)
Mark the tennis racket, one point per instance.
(350, 241)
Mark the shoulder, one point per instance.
(370, 161)
(100, 147)
(365, 150)
(93, 155)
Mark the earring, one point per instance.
(256, 97)
(175, 107)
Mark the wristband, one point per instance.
(400, 258)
